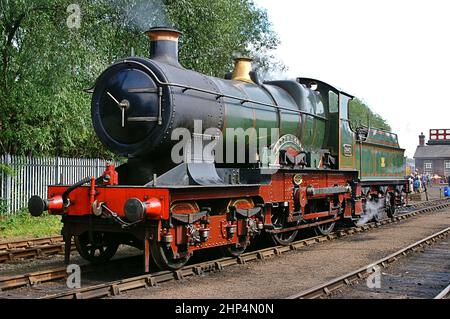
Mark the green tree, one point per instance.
(46, 65)
(360, 114)
(216, 31)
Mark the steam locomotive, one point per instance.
(293, 162)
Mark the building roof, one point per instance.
(433, 151)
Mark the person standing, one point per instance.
(416, 184)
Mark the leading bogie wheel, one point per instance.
(164, 257)
(235, 250)
(98, 248)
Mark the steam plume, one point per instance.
(143, 14)
(373, 210)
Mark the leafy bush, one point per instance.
(22, 225)
(361, 114)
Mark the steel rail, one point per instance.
(148, 280)
(33, 252)
(444, 294)
(327, 288)
(27, 243)
(38, 277)
(30, 279)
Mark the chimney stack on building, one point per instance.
(421, 139)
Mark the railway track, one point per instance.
(444, 294)
(31, 248)
(46, 246)
(354, 278)
(23, 244)
(54, 274)
(33, 278)
(152, 279)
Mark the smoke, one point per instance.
(142, 15)
(373, 210)
(265, 62)
(269, 68)
(276, 75)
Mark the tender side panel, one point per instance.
(379, 162)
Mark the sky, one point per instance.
(394, 55)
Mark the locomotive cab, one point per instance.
(339, 136)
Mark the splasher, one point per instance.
(373, 210)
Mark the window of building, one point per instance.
(447, 168)
(428, 167)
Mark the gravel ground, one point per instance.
(294, 272)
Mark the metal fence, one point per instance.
(23, 177)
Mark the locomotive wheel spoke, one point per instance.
(279, 220)
(324, 229)
(103, 243)
(284, 238)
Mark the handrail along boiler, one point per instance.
(319, 170)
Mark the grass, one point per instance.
(23, 225)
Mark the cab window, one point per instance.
(333, 101)
(343, 101)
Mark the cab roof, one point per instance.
(309, 81)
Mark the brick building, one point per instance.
(434, 157)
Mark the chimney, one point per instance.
(421, 139)
(164, 45)
(242, 69)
